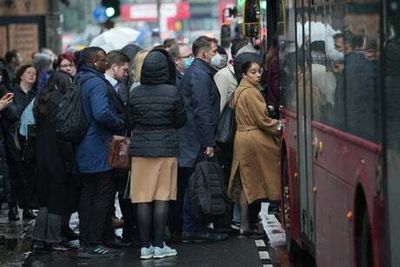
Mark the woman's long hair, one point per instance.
(59, 81)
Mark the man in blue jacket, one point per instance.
(197, 137)
(92, 153)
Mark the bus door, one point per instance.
(392, 129)
(304, 125)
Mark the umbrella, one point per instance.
(115, 38)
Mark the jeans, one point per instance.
(94, 205)
(236, 213)
(47, 227)
(191, 223)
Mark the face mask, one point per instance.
(187, 62)
(216, 60)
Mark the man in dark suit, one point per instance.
(197, 137)
(116, 73)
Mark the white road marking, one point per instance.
(260, 243)
(264, 255)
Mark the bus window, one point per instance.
(324, 81)
(287, 60)
(345, 73)
(251, 18)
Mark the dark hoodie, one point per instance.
(156, 110)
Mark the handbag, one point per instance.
(118, 155)
(226, 126)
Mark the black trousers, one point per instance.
(176, 207)
(94, 205)
(127, 208)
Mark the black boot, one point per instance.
(13, 213)
(28, 214)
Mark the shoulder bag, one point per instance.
(226, 125)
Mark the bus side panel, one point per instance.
(334, 238)
(290, 139)
(353, 161)
(345, 155)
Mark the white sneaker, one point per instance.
(146, 253)
(164, 252)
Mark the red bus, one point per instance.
(340, 84)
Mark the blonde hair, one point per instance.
(137, 64)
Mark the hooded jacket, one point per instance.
(156, 109)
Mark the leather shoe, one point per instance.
(117, 242)
(39, 247)
(59, 247)
(69, 235)
(117, 223)
(203, 237)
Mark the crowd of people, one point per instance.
(169, 100)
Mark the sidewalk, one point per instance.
(13, 239)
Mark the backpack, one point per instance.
(71, 121)
(208, 190)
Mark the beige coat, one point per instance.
(256, 148)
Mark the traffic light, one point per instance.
(112, 7)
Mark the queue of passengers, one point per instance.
(169, 99)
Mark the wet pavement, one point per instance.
(232, 252)
(15, 250)
(13, 239)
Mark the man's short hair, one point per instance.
(116, 57)
(169, 42)
(338, 35)
(10, 55)
(175, 51)
(203, 42)
(89, 54)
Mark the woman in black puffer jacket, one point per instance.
(156, 111)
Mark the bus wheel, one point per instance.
(364, 243)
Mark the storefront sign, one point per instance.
(24, 38)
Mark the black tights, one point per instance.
(159, 210)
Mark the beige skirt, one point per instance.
(153, 179)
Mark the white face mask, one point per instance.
(216, 60)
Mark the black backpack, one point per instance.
(207, 185)
(71, 121)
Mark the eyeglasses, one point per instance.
(188, 56)
(67, 65)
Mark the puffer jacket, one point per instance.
(104, 121)
(155, 109)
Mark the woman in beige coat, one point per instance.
(255, 166)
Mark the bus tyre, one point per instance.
(364, 244)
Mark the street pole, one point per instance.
(159, 19)
(53, 26)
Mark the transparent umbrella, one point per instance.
(115, 38)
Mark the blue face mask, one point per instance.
(187, 62)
